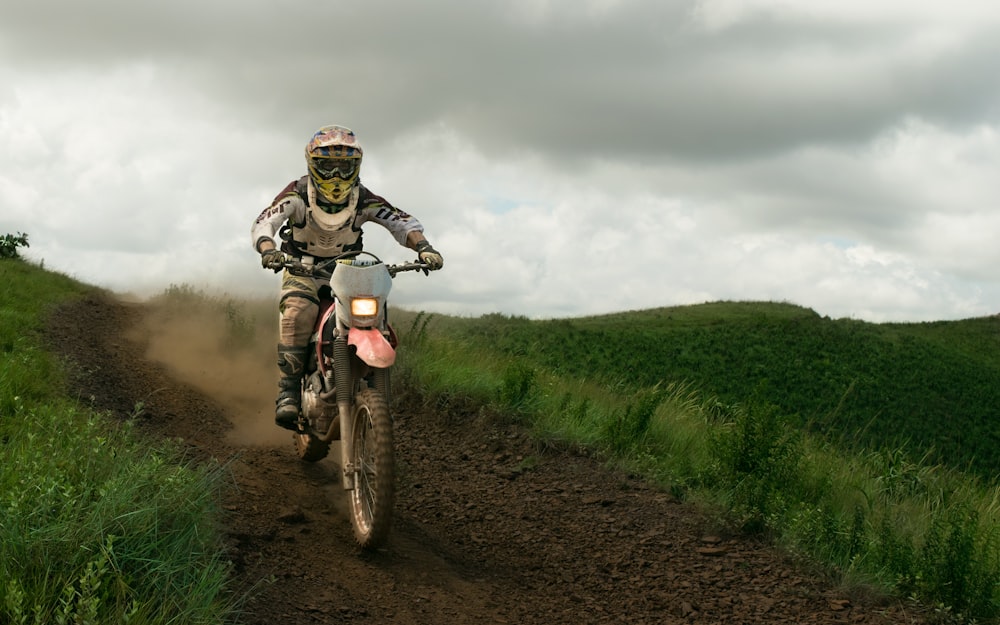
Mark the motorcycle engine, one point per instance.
(319, 413)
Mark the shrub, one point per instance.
(757, 453)
(9, 244)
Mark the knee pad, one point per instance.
(298, 317)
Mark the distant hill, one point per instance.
(931, 388)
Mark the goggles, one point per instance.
(332, 167)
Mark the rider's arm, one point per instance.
(399, 223)
(416, 241)
(265, 227)
(403, 226)
(413, 239)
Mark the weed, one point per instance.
(626, 428)
(417, 335)
(758, 454)
(517, 386)
(957, 564)
(240, 327)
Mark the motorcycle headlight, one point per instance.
(364, 307)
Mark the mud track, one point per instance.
(488, 528)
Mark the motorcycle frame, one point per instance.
(346, 368)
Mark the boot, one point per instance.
(291, 364)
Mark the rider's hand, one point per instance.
(272, 259)
(429, 255)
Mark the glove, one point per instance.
(272, 259)
(429, 255)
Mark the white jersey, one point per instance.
(308, 230)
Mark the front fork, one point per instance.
(344, 380)
(345, 387)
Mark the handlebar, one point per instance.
(324, 269)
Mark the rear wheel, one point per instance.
(374, 469)
(310, 448)
(307, 446)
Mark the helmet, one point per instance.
(334, 158)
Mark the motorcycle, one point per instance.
(346, 385)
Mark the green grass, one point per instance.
(97, 525)
(898, 385)
(771, 418)
(867, 449)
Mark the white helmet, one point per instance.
(334, 159)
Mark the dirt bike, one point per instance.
(346, 386)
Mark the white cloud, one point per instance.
(721, 14)
(567, 158)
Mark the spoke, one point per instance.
(366, 471)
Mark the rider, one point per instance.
(317, 217)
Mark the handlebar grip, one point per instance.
(417, 266)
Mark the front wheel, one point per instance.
(374, 469)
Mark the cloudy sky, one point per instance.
(567, 157)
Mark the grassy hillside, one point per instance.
(809, 430)
(730, 405)
(97, 525)
(931, 388)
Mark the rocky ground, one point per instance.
(489, 528)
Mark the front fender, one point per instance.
(372, 347)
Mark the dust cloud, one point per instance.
(226, 350)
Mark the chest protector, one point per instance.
(327, 234)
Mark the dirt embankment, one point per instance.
(488, 528)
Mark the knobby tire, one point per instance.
(373, 497)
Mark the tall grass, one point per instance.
(97, 525)
(872, 516)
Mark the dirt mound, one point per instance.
(488, 528)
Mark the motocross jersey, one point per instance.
(298, 217)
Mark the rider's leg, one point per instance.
(291, 364)
(298, 314)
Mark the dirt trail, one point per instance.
(488, 528)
